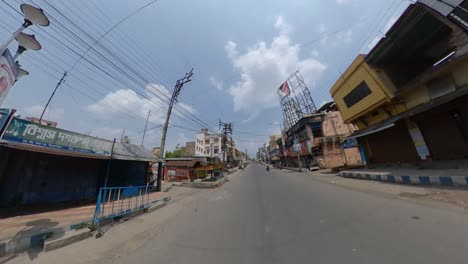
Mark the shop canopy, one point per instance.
(124, 151)
(416, 110)
(185, 162)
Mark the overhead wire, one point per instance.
(56, 70)
(197, 120)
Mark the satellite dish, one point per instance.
(34, 15)
(28, 42)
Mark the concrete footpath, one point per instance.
(28, 229)
(448, 177)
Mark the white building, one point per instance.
(210, 145)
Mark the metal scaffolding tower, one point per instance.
(295, 100)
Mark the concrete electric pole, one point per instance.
(226, 129)
(146, 126)
(179, 84)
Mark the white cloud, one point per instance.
(263, 67)
(51, 114)
(216, 83)
(126, 100)
(384, 30)
(314, 53)
(108, 132)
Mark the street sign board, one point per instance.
(297, 148)
(350, 143)
(26, 132)
(4, 117)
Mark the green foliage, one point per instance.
(179, 152)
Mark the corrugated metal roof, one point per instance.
(123, 151)
(182, 163)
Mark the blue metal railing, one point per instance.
(117, 201)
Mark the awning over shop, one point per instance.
(188, 162)
(416, 110)
(371, 130)
(123, 151)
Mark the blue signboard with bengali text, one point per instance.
(26, 132)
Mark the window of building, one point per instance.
(216, 151)
(317, 132)
(357, 94)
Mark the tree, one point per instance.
(179, 152)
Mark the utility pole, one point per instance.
(179, 84)
(226, 129)
(146, 125)
(232, 151)
(211, 156)
(121, 137)
(52, 95)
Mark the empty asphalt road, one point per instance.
(286, 217)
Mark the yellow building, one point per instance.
(362, 96)
(408, 96)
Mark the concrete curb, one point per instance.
(62, 240)
(456, 181)
(155, 206)
(35, 241)
(205, 185)
(58, 237)
(168, 188)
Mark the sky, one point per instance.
(240, 51)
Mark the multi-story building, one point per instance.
(331, 150)
(156, 151)
(317, 139)
(190, 148)
(211, 145)
(409, 95)
(208, 145)
(274, 150)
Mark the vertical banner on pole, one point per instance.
(8, 74)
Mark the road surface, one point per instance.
(284, 217)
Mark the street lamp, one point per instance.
(26, 42)
(32, 16)
(21, 73)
